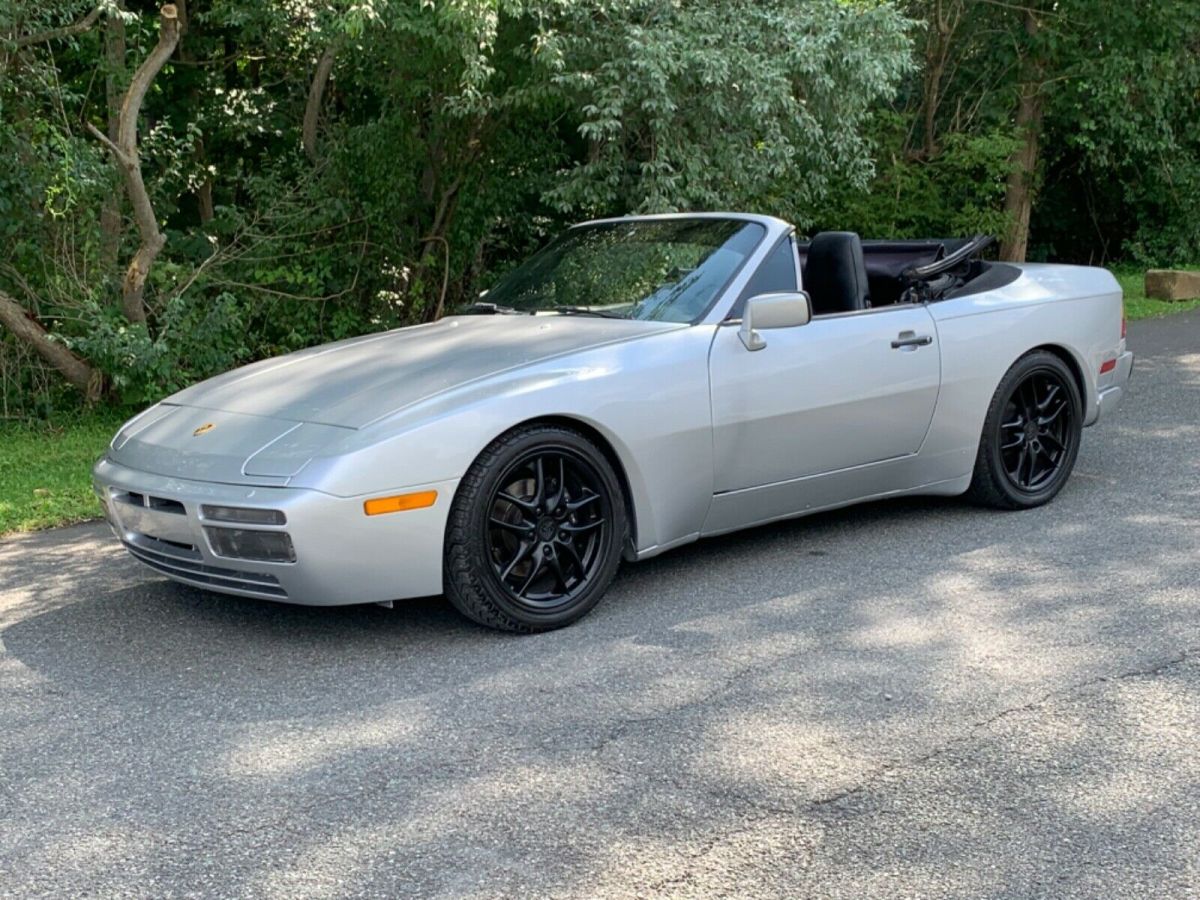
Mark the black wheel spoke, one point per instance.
(1051, 417)
(559, 575)
(539, 564)
(1033, 466)
(1045, 454)
(522, 528)
(576, 505)
(570, 550)
(562, 485)
(1021, 462)
(526, 505)
(1053, 439)
(582, 527)
(539, 482)
(1029, 394)
(521, 555)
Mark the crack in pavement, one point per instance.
(1056, 695)
(766, 811)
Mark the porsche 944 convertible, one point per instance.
(638, 384)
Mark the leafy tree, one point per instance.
(1096, 104)
(283, 174)
(219, 180)
(756, 104)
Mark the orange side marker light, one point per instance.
(399, 503)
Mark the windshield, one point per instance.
(665, 271)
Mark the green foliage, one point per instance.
(1118, 172)
(958, 192)
(192, 341)
(1123, 135)
(709, 105)
(456, 136)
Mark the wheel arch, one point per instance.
(1072, 363)
(605, 446)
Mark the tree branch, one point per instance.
(131, 106)
(441, 304)
(26, 329)
(312, 108)
(114, 86)
(54, 34)
(125, 151)
(116, 151)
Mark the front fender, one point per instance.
(648, 399)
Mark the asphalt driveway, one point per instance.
(911, 698)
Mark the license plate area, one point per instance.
(153, 517)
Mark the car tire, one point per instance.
(535, 532)
(1031, 435)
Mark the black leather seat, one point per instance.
(835, 274)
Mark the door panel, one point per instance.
(822, 397)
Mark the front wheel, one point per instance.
(535, 532)
(1031, 435)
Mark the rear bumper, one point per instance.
(1113, 392)
(342, 556)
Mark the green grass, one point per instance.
(45, 471)
(1139, 306)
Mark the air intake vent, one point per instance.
(160, 504)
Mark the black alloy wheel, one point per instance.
(547, 526)
(1036, 433)
(1031, 434)
(535, 531)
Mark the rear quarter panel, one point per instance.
(1074, 309)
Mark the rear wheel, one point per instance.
(535, 533)
(1031, 435)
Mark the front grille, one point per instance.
(184, 561)
(160, 504)
(168, 548)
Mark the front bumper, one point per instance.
(342, 556)
(1113, 391)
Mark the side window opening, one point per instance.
(776, 274)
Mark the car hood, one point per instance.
(263, 423)
(353, 383)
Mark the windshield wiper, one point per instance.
(585, 311)
(492, 309)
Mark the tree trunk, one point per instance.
(944, 18)
(29, 331)
(312, 108)
(204, 193)
(114, 85)
(1021, 185)
(435, 244)
(125, 150)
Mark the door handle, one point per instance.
(911, 339)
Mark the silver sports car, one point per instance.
(638, 384)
